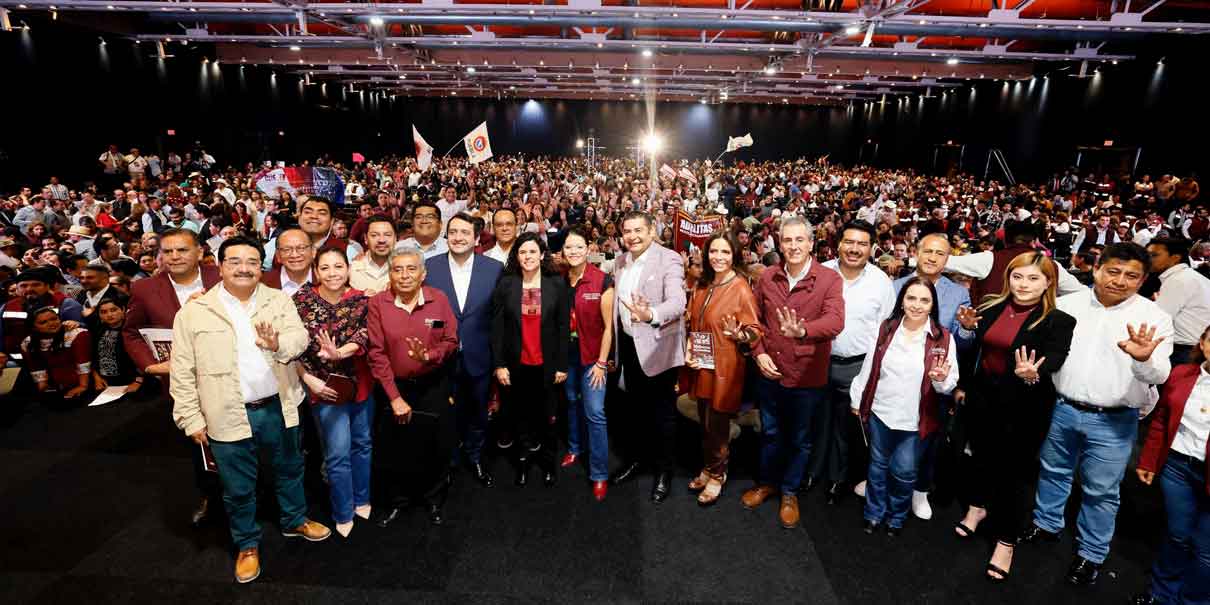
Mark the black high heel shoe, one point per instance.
(522, 473)
(995, 569)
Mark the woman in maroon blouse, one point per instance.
(531, 318)
(336, 373)
(58, 359)
(1021, 338)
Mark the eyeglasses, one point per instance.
(294, 250)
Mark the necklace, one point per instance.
(1013, 312)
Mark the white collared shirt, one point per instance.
(497, 253)
(290, 286)
(1194, 429)
(1185, 295)
(91, 301)
(979, 265)
(868, 300)
(1097, 372)
(628, 284)
(897, 395)
(461, 276)
(794, 279)
(366, 276)
(256, 379)
(184, 291)
(434, 249)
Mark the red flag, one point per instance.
(358, 158)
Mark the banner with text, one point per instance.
(298, 181)
(694, 231)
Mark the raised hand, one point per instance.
(266, 336)
(941, 369)
(968, 318)
(327, 347)
(1027, 365)
(733, 330)
(789, 324)
(1141, 343)
(639, 307)
(417, 350)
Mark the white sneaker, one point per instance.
(859, 489)
(920, 505)
(344, 529)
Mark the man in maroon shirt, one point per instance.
(801, 308)
(413, 333)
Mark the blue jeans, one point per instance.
(345, 431)
(1182, 570)
(785, 417)
(237, 469)
(1098, 447)
(586, 415)
(888, 496)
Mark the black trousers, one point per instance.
(530, 417)
(412, 461)
(647, 413)
(833, 426)
(1006, 434)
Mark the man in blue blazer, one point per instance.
(467, 280)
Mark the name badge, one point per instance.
(592, 296)
(434, 323)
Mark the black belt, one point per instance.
(845, 360)
(1094, 409)
(1175, 455)
(260, 403)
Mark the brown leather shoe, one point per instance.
(789, 511)
(312, 531)
(757, 495)
(247, 565)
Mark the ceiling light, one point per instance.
(376, 20)
(470, 70)
(295, 48)
(634, 81)
(769, 70)
(403, 76)
(923, 22)
(852, 30)
(599, 45)
(646, 52)
(982, 25)
(951, 61)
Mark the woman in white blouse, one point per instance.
(895, 394)
(1177, 449)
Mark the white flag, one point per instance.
(668, 172)
(734, 143)
(687, 174)
(478, 147)
(424, 151)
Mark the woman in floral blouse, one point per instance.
(335, 371)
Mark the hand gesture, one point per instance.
(327, 347)
(967, 317)
(789, 324)
(1027, 366)
(941, 369)
(639, 307)
(1145, 476)
(1141, 343)
(765, 364)
(417, 350)
(503, 378)
(733, 330)
(266, 336)
(560, 377)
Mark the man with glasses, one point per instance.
(233, 387)
(426, 235)
(315, 219)
(294, 255)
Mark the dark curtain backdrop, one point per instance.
(68, 96)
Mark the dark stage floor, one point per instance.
(94, 507)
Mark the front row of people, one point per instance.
(1055, 380)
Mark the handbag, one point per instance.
(345, 387)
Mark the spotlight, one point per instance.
(652, 143)
(376, 20)
(579, 143)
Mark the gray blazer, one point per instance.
(660, 347)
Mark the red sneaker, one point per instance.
(599, 488)
(568, 460)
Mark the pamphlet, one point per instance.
(160, 341)
(702, 349)
(109, 395)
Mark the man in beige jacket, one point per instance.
(233, 388)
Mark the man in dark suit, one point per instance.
(467, 280)
(154, 303)
(94, 280)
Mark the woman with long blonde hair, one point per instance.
(1021, 338)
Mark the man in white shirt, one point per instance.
(869, 298)
(504, 227)
(295, 254)
(136, 164)
(426, 231)
(1119, 350)
(222, 189)
(1184, 294)
(371, 272)
(449, 206)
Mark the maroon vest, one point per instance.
(586, 304)
(936, 342)
(994, 282)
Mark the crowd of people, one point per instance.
(874, 319)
